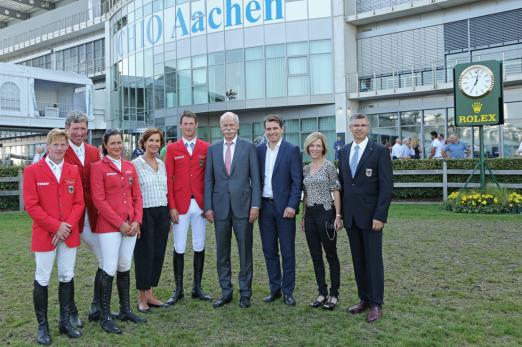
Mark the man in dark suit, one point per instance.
(366, 177)
(281, 178)
(232, 201)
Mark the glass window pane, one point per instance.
(216, 58)
(216, 83)
(292, 126)
(234, 56)
(326, 123)
(200, 95)
(184, 63)
(322, 46)
(255, 79)
(309, 124)
(275, 77)
(254, 53)
(297, 48)
(235, 84)
(321, 73)
(199, 61)
(275, 51)
(185, 88)
(298, 86)
(298, 66)
(199, 76)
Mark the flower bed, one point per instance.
(490, 201)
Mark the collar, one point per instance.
(77, 148)
(362, 144)
(234, 141)
(185, 141)
(52, 164)
(278, 144)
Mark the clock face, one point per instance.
(476, 81)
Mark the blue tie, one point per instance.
(355, 160)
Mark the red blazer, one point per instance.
(116, 195)
(49, 203)
(185, 174)
(91, 156)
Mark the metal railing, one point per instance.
(56, 110)
(412, 77)
(60, 27)
(355, 7)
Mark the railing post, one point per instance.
(444, 181)
(21, 190)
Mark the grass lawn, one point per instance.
(451, 279)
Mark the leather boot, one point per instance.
(65, 295)
(199, 262)
(40, 308)
(95, 312)
(123, 283)
(179, 263)
(107, 322)
(74, 318)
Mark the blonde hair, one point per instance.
(55, 133)
(316, 135)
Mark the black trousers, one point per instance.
(366, 247)
(149, 251)
(318, 238)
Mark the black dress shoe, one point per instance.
(222, 302)
(272, 297)
(142, 310)
(289, 300)
(244, 302)
(318, 302)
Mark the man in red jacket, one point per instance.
(53, 198)
(83, 155)
(185, 162)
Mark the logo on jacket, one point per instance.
(71, 189)
(368, 172)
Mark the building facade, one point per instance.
(314, 62)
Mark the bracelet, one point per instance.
(338, 215)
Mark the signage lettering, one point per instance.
(178, 22)
(483, 118)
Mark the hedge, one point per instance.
(463, 164)
(9, 202)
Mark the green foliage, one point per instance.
(487, 201)
(462, 164)
(9, 202)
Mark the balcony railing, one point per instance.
(56, 110)
(58, 28)
(413, 77)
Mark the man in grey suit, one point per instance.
(232, 201)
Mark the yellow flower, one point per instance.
(484, 202)
(495, 201)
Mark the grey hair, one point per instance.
(227, 114)
(76, 117)
(359, 116)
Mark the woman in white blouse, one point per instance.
(150, 247)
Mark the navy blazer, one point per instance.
(366, 196)
(287, 176)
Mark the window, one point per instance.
(10, 97)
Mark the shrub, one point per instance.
(9, 202)
(487, 201)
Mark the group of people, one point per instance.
(122, 209)
(410, 148)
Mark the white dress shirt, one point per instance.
(55, 168)
(271, 156)
(188, 146)
(116, 162)
(362, 147)
(232, 149)
(397, 151)
(79, 150)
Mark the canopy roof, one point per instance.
(43, 74)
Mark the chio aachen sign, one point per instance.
(478, 93)
(183, 21)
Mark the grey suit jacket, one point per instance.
(239, 191)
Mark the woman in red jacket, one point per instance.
(53, 198)
(117, 196)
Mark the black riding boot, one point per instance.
(199, 262)
(107, 322)
(74, 318)
(40, 308)
(123, 283)
(179, 263)
(65, 296)
(95, 312)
